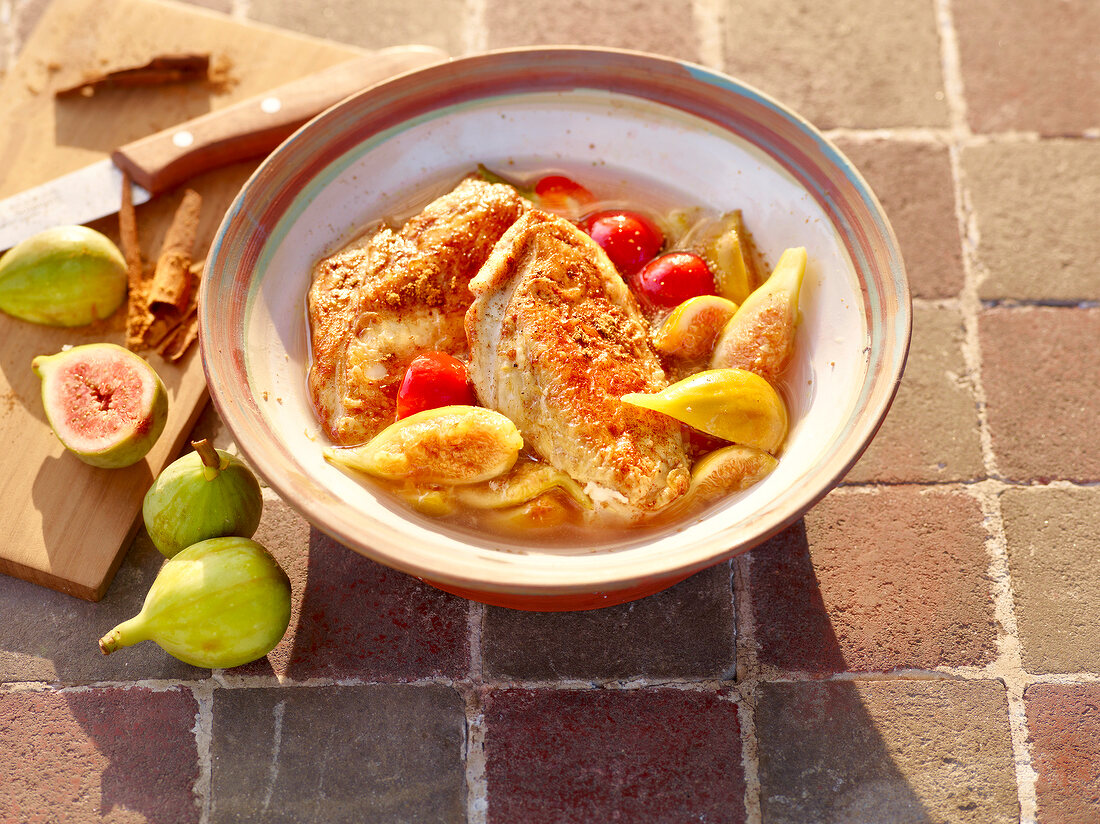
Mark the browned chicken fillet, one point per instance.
(556, 339)
(379, 302)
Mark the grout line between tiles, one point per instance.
(477, 788)
(9, 49)
(741, 688)
(746, 669)
(1008, 664)
(948, 136)
(204, 741)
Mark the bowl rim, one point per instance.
(612, 571)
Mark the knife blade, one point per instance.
(249, 129)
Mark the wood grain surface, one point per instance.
(64, 524)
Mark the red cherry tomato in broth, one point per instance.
(630, 239)
(667, 281)
(561, 193)
(434, 379)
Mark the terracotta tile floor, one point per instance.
(921, 647)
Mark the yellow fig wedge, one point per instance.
(428, 500)
(760, 336)
(447, 445)
(692, 328)
(733, 404)
(524, 483)
(727, 249)
(548, 511)
(730, 469)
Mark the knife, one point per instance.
(249, 129)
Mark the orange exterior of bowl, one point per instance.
(570, 602)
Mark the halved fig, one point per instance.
(448, 445)
(106, 405)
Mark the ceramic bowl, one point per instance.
(654, 123)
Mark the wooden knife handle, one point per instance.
(254, 127)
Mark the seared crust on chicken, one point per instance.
(556, 339)
(378, 303)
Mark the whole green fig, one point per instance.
(207, 493)
(220, 603)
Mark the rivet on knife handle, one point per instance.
(253, 127)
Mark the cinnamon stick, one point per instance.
(170, 334)
(162, 70)
(138, 316)
(171, 286)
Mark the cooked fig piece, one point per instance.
(527, 481)
(448, 445)
(760, 336)
(692, 328)
(730, 469)
(732, 404)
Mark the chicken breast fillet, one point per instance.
(556, 339)
(382, 300)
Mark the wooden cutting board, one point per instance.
(64, 524)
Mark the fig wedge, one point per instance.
(732, 404)
(526, 482)
(106, 405)
(727, 248)
(448, 445)
(693, 327)
(760, 336)
(730, 469)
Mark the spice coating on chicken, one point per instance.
(556, 339)
(382, 300)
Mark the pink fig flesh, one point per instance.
(106, 404)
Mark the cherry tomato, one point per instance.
(433, 379)
(562, 194)
(667, 281)
(630, 239)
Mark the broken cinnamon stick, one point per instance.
(171, 333)
(162, 70)
(171, 286)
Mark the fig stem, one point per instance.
(212, 462)
(126, 634)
